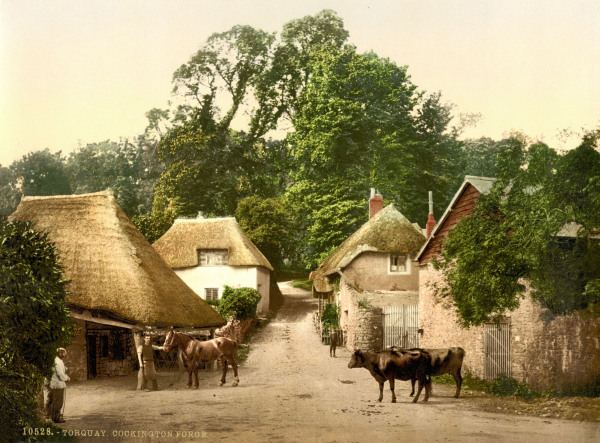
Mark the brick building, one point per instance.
(560, 352)
(117, 283)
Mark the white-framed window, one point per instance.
(213, 257)
(399, 264)
(211, 294)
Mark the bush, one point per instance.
(239, 303)
(34, 321)
(331, 316)
(507, 386)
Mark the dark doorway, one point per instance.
(91, 353)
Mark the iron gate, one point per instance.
(400, 326)
(496, 345)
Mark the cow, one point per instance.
(443, 361)
(398, 364)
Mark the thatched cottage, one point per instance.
(530, 344)
(209, 253)
(372, 270)
(117, 281)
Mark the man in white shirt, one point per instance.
(56, 396)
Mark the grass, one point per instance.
(286, 275)
(509, 387)
(302, 284)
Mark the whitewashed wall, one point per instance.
(201, 277)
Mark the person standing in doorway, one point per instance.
(147, 372)
(58, 384)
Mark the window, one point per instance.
(213, 257)
(211, 294)
(399, 263)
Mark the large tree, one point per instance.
(362, 123)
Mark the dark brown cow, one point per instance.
(398, 364)
(444, 361)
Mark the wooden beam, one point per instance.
(86, 316)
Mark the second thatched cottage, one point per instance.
(211, 253)
(371, 274)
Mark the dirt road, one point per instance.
(292, 391)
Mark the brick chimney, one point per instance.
(375, 203)
(430, 218)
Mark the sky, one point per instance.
(77, 72)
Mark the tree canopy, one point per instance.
(538, 226)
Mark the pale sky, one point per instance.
(84, 71)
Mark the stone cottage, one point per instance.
(209, 253)
(372, 270)
(530, 344)
(117, 282)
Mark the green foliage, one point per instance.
(42, 173)
(239, 303)
(9, 192)
(34, 321)
(331, 316)
(124, 168)
(302, 284)
(266, 221)
(362, 123)
(507, 386)
(364, 303)
(513, 235)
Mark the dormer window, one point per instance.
(399, 264)
(213, 257)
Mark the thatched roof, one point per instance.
(111, 267)
(388, 231)
(180, 244)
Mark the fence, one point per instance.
(496, 345)
(401, 326)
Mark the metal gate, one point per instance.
(400, 326)
(496, 345)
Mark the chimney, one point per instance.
(430, 219)
(375, 203)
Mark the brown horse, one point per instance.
(196, 351)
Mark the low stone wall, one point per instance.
(369, 330)
(362, 325)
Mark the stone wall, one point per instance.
(369, 330)
(76, 360)
(361, 325)
(547, 352)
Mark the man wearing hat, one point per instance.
(147, 370)
(56, 394)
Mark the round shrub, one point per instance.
(239, 303)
